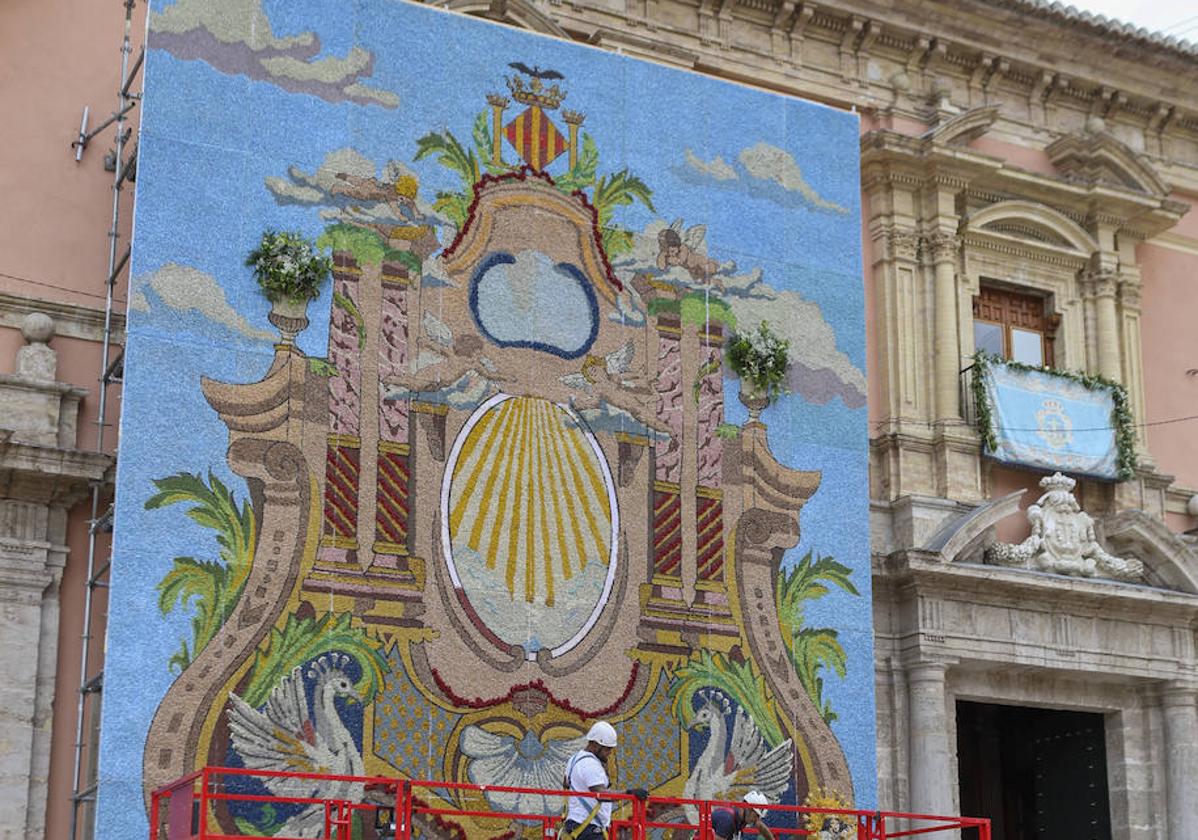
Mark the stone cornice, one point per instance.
(1011, 246)
(890, 156)
(70, 320)
(926, 573)
(50, 475)
(1133, 85)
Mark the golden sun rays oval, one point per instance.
(529, 523)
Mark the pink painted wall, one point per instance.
(1033, 160)
(1004, 480)
(55, 57)
(58, 55)
(1170, 344)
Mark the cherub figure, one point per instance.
(687, 251)
(610, 379)
(397, 192)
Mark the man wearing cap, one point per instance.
(728, 823)
(587, 818)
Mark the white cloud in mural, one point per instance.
(186, 289)
(819, 371)
(717, 168)
(236, 37)
(769, 163)
(465, 393)
(627, 311)
(609, 418)
(763, 171)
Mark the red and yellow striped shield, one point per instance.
(535, 138)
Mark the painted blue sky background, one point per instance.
(210, 139)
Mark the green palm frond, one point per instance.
(483, 140)
(813, 649)
(303, 639)
(451, 154)
(738, 680)
(582, 174)
(453, 206)
(806, 581)
(199, 585)
(618, 190)
(213, 506)
(616, 240)
(208, 587)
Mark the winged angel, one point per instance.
(289, 735)
(688, 251)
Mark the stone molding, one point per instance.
(70, 320)
(965, 613)
(1178, 693)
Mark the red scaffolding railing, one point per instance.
(389, 809)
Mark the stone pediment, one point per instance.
(1169, 562)
(964, 128)
(1131, 545)
(1096, 158)
(1032, 222)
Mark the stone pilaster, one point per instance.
(1133, 357)
(931, 776)
(1101, 287)
(1178, 702)
(42, 475)
(945, 343)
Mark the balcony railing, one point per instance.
(969, 408)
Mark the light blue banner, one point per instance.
(1052, 423)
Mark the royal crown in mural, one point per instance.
(506, 501)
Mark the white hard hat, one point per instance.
(756, 797)
(603, 734)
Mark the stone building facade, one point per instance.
(1065, 174)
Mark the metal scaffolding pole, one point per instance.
(90, 685)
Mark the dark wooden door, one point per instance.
(1037, 773)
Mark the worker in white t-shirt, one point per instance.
(586, 817)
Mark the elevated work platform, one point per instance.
(202, 806)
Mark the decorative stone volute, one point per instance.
(1063, 539)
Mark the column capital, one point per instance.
(1178, 693)
(1129, 294)
(901, 244)
(942, 245)
(1100, 282)
(928, 668)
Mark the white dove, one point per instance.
(732, 765)
(286, 735)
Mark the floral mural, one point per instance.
(499, 475)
